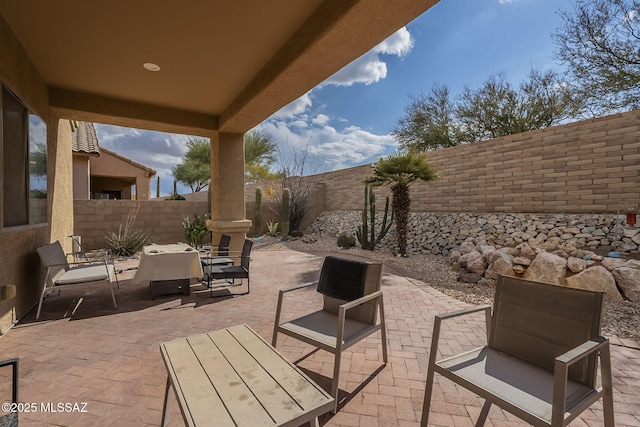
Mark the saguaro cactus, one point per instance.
(284, 213)
(257, 217)
(366, 233)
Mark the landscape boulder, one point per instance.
(547, 268)
(474, 262)
(596, 278)
(501, 265)
(576, 265)
(628, 280)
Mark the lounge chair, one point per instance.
(352, 299)
(59, 272)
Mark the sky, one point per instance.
(347, 120)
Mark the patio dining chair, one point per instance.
(352, 299)
(59, 273)
(541, 358)
(220, 259)
(230, 273)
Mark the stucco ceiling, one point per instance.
(224, 65)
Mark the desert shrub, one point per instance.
(128, 240)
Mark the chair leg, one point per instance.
(607, 385)
(383, 332)
(426, 406)
(336, 382)
(44, 289)
(113, 297)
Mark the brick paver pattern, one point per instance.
(84, 351)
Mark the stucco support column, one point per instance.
(228, 215)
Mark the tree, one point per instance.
(195, 169)
(497, 109)
(435, 120)
(259, 156)
(400, 171)
(600, 44)
(293, 168)
(428, 122)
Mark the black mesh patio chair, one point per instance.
(230, 273)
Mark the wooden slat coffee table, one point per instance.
(233, 377)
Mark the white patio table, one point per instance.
(174, 265)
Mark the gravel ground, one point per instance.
(621, 319)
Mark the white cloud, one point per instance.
(370, 68)
(320, 119)
(367, 69)
(295, 108)
(399, 43)
(301, 127)
(329, 148)
(351, 146)
(505, 1)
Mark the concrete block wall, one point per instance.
(161, 219)
(587, 167)
(584, 167)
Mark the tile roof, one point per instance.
(84, 139)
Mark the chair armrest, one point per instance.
(435, 337)
(577, 353)
(561, 372)
(296, 287)
(342, 314)
(361, 300)
(462, 312)
(279, 306)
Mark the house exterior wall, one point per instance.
(119, 175)
(19, 263)
(81, 178)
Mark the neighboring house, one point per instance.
(99, 173)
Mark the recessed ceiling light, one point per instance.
(151, 66)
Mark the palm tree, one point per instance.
(400, 171)
(259, 156)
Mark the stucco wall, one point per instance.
(19, 263)
(81, 182)
(583, 167)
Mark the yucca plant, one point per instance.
(128, 240)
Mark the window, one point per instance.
(24, 152)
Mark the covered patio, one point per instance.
(210, 69)
(110, 359)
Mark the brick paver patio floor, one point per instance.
(110, 358)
